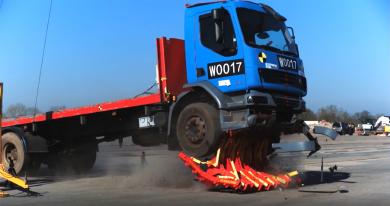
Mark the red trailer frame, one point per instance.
(46, 138)
(172, 77)
(80, 111)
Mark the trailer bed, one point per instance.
(172, 77)
(85, 110)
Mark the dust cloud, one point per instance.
(286, 162)
(164, 172)
(149, 168)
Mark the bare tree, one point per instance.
(57, 108)
(308, 115)
(328, 113)
(19, 109)
(333, 113)
(364, 117)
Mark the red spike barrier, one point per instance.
(235, 175)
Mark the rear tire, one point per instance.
(79, 160)
(13, 147)
(198, 129)
(84, 160)
(34, 166)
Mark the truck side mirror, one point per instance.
(218, 17)
(291, 30)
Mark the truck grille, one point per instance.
(278, 77)
(282, 102)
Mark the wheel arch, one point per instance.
(31, 143)
(200, 92)
(19, 133)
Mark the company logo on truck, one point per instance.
(226, 68)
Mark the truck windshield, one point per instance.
(264, 31)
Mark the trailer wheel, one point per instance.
(198, 129)
(84, 160)
(34, 166)
(79, 160)
(13, 148)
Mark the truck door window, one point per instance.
(207, 30)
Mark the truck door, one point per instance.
(219, 58)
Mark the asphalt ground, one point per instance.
(122, 177)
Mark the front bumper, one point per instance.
(248, 110)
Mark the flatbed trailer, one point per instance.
(232, 84)
(53, 136)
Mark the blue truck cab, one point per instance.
(240, 47)
(242, 60)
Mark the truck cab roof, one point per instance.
(246, 4)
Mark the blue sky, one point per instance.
(99, 50)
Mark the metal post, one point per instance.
(322, 169)
(1, 116)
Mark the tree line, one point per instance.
(329, 113)
(19, 109)
(333, 113)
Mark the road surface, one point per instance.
(121, 177)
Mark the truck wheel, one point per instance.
(13, 148)
(198, 129)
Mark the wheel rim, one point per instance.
(195, 130)
(10, 151)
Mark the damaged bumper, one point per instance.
(310, 145)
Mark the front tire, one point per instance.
(198, 130)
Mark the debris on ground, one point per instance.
(12, 178)
(14, 182)
(235, 175)
(333, 169)
(3, 194)
(143, 159)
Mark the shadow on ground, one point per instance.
(314, 177)
(308, 178)
(5, 186)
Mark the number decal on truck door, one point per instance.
(227, 68)
(287, 63)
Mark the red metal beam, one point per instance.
(1, 116)
(171, 67)
(172, 77)
(103, 107)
